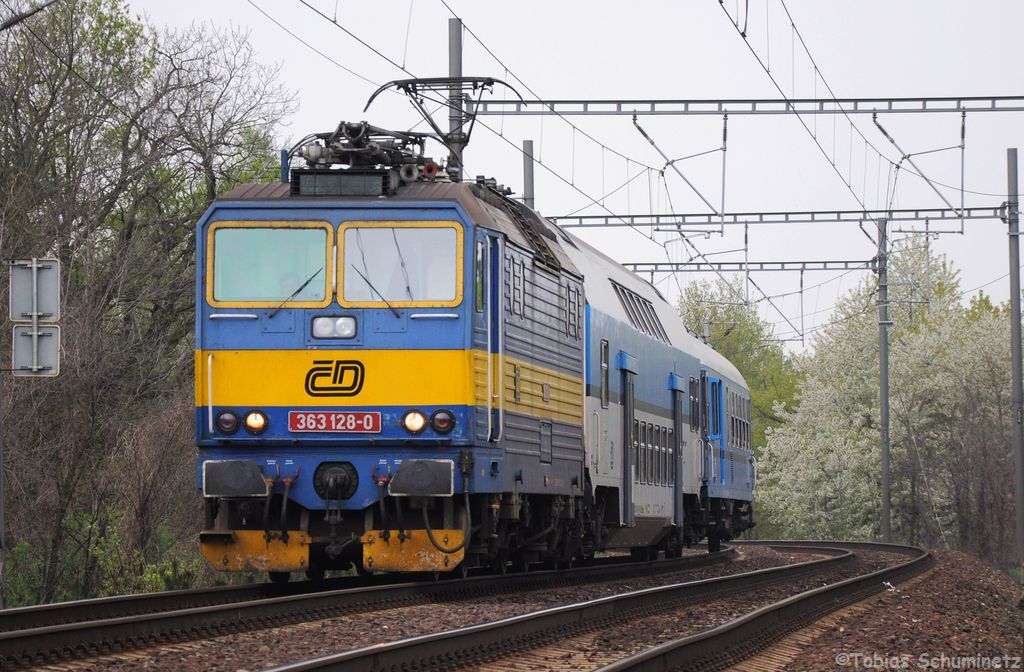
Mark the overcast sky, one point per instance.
(862, 48)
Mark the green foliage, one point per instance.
(124, 570)
(24, 575)
(981, 307)
(746, 340)
(264, 164)
(950, 421)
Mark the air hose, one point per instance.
(467, 529)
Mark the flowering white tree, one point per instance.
(951, 467)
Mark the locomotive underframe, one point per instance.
(506, 530)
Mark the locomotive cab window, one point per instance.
(269, 264)
(401, 264)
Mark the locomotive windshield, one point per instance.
(270, 264)
(403, 264)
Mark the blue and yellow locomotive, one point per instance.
(406, 373)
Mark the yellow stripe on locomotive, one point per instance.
(291, 378)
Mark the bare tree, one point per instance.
(113, 140)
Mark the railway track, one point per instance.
(77, 611)
(738, 639)
(552, 638)
(75, 630)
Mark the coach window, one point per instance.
(651, 464)
(743, 425)
(659, 457)
(746, 413)
(734, 414)
(655, 455)
(750, 424)
(663, 476)
(636, 450)
(694, 404)
(716, 410)
(649, 467)
(400, 264)
(652, 454)
(728, 418)
(672, 458)
(666, 453)
(734, 439)
(643, 452)
(267, 264)
(604, 374)
(740, 432)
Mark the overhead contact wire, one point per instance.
(534, 93)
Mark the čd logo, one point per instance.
(338, 378)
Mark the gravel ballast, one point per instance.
(256, 650)
(962, 615)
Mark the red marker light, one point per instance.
(442, 421)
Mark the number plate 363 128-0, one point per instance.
(357, 422)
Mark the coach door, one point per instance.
(680, 404)
(715, 428)
(627, 366)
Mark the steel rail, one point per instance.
(95, 609)
(96, 636)
(486, 641)
(740, 638)
(77, 611)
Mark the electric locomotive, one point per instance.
(405, 373)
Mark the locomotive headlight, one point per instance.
(414, 422)
(345, 327)
(334, 327)
(255, 421)
(323, 327)
(442, 421)
(227, 422)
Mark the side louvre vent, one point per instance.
(640, 312)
